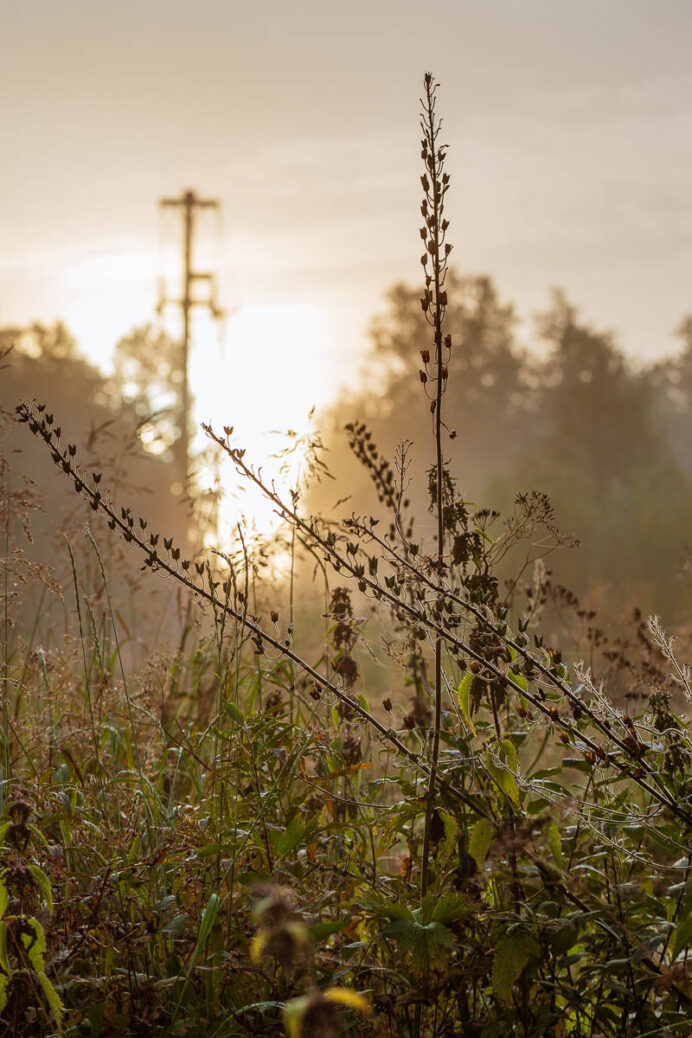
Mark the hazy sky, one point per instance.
(571, 157)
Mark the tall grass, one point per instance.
(233, 839)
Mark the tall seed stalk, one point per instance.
(435, 183)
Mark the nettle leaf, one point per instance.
(480, 838)
(512, 954)
(34, 944)
(448, 846)
(423, 931)
(450, 909)
(463, 693)
(52, 998)
(564, 939)
(35, 947)
(426, 942)
(398, 911)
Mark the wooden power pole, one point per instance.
(188, 203)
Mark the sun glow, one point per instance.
(275, 366)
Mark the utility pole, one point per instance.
(188, 203)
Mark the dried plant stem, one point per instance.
(434, 183)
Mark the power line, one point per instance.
(189, 204)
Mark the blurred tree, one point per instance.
(487, 394)
(611, 475)
(672, 382)
(147, 377)
(45, 364)
(573, 420)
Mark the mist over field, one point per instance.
(345, 511)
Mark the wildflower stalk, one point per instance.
(435, 183)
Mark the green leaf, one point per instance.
(235, 714)
(135, 850)
(427, 942)
(511, 956)
(578, 763)
(318, 931)
(564, 940)
(4, 895)
(450, 909)
(683, 935)
(480, 838)
(52, 998)
(209, 916)
(176, 926)
(4, 985)
(35, 948)
(35, 831)
(555, 844)
(290, 838)
(519, 680)
(503, 777)
(43, 884)
(4, 961)
(463, 693)
(508, 754)
(448, 846)
(34, 944)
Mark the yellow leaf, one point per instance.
(463, 698)
(256, 947)
(346, 997)
(480, 838)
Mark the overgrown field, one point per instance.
(230, 838)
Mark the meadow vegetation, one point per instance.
(227, 836)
